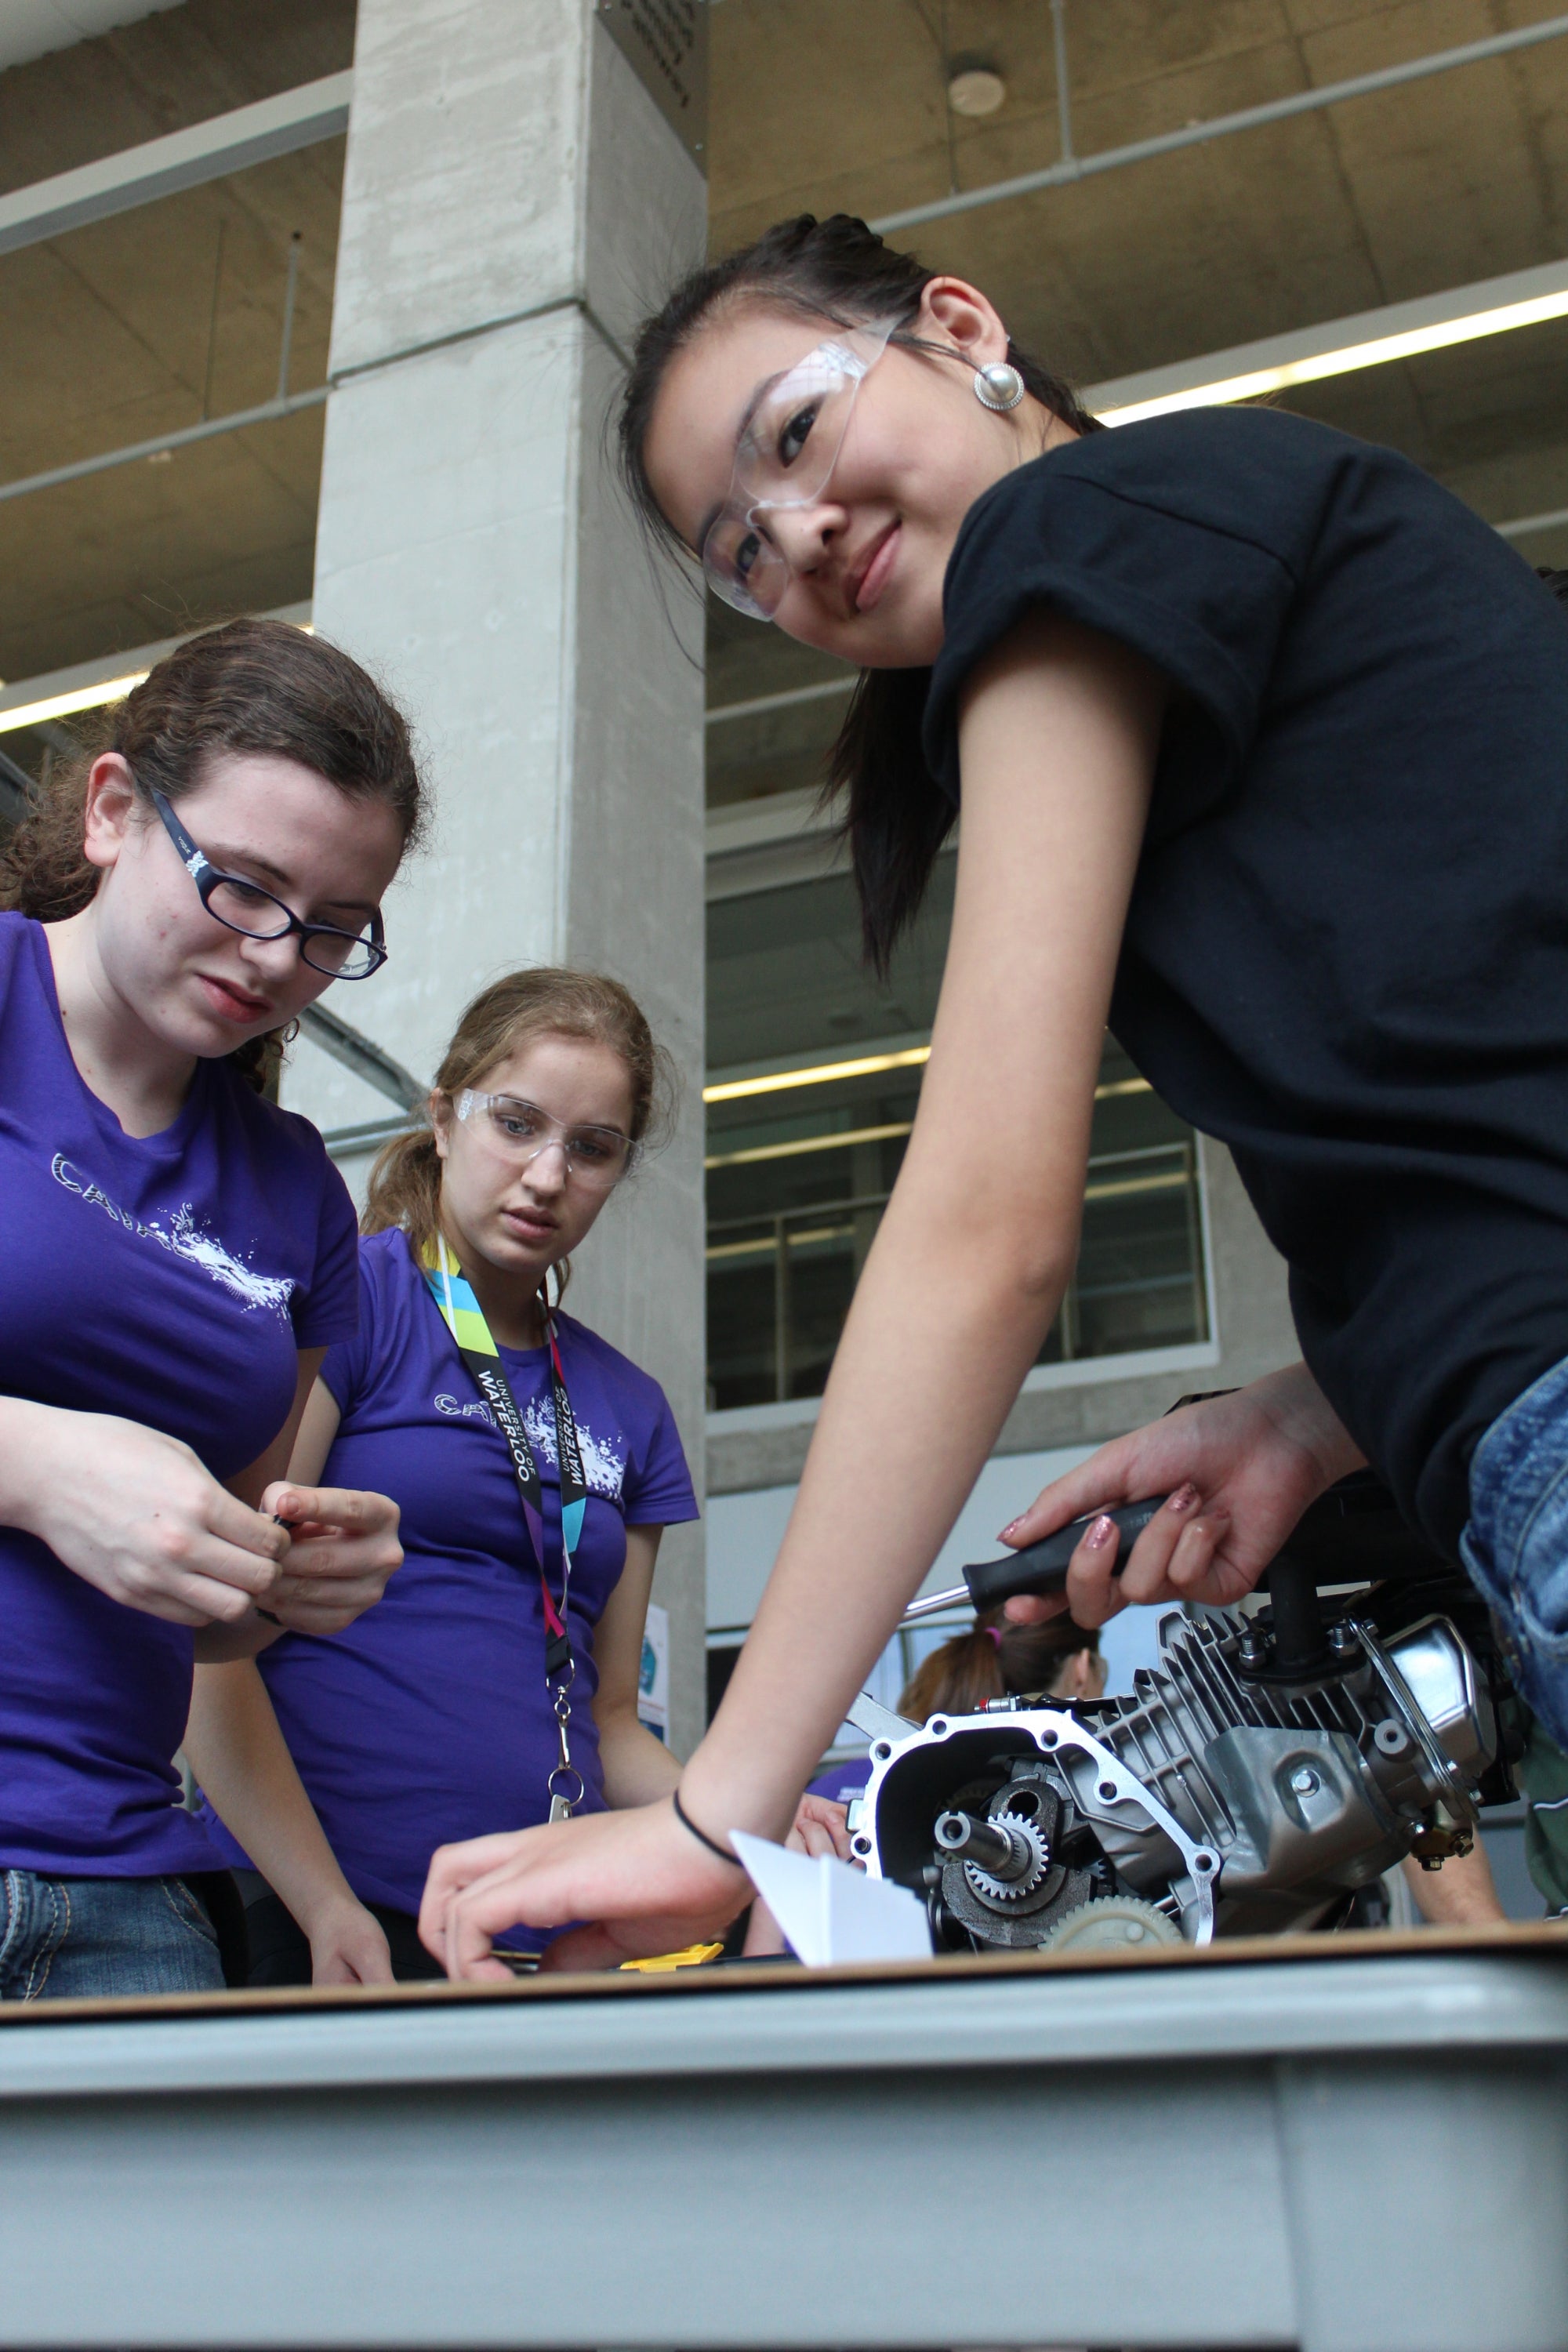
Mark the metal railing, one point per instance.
(845, 1228)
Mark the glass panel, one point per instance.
(818, 1068)
(784, 974)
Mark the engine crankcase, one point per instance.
(1230, 1804)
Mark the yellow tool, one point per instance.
(693, 1957)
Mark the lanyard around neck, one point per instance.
(464, 1319)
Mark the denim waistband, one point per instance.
(1517, 1464)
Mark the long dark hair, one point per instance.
(895, 814)
(251, 686)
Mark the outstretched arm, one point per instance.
(1058, 741)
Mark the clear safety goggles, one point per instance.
(596, 1157)
(788, 447)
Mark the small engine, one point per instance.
(1268, 1770)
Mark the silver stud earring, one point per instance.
(998, 386)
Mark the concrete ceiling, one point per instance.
(143, 323)
(31, 28)
(819, 106)
(127, 328)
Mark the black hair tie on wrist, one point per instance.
(712, 1844)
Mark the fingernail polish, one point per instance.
(1010, 1530)
(1184, 1498)
(1100, 1534)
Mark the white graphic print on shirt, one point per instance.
(604, 1466)
(183, 1239)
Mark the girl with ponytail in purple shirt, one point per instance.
(179, 1255)
(497, 1684)
(439, 1720)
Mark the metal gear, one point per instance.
(1012, 1890)
(1112, 1923)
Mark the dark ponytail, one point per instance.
(895, 814)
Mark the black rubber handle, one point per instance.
(1042, 1567)
(1354, 1533)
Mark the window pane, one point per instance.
(819, 1068)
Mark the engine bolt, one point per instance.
(1305, 1782)
(1253, 1650)
(1342, 1640)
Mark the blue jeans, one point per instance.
(66, 1937)
(1516, 1545)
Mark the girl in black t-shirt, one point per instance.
(1261, 738)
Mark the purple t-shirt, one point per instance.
(427, 1720)
(171, 1279)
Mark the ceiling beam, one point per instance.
(206, 150)
(1533, 526)
(1070, 168)
(211, 428)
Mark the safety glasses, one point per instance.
(518, 1132)
(790, 440)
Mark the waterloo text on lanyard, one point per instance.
(463, 1317)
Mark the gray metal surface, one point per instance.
(1362, 2150)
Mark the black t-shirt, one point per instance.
(1346, 953)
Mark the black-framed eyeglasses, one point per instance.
(243, 907)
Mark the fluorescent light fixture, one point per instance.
(807, 1143)
(95, 692)
(778, 1082)
(1401, 331)
(61, 706)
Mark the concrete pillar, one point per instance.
(513, 200)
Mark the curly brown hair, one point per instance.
(250, 686)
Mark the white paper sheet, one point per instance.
(831, 1912)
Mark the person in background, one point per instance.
(535, 1467)
(179, 1254)
(996, 1659)
(1463, 1894)
(993, 1658)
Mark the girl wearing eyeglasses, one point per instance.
(178, 1256)
(1261, 741)
(536, 1468)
